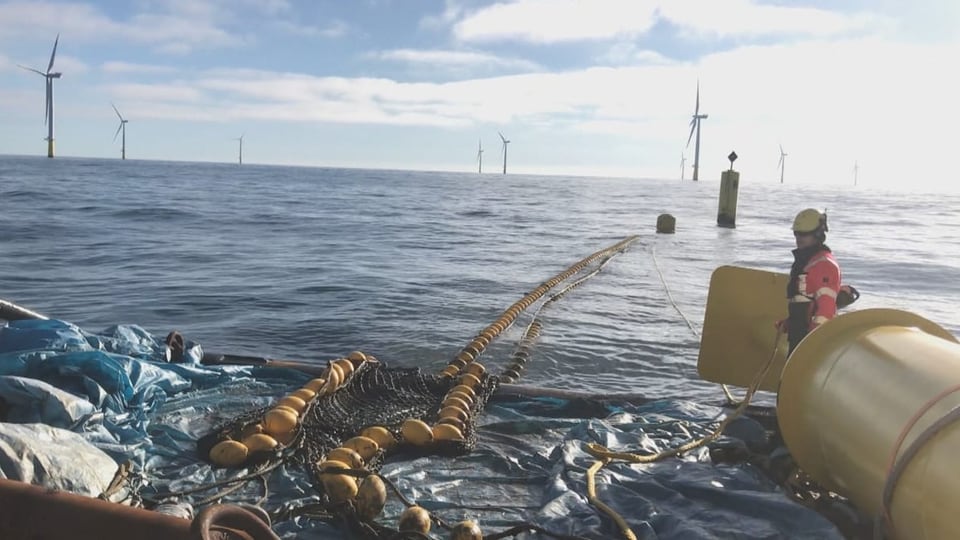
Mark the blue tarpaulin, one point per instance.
(112, 397)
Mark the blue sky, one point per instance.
(594, 87)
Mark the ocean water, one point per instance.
(311, 263)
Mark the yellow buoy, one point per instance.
(327, 464)
(453, 401)
(450, 371)
(465, 389)
(346, 455)
(454, 412)
(278, 421)
(476, 369)
(339, 488)
(463, 396)
(357, 358)
(293, 402)
(305, 394)
(250, 429)
(470, 380)
(381, 435)
(228, 453)
(415, 519)
(371, 498)
(447, 432)
(286, 438)
(334, 378)
(286, 408)
(346, 366)
(260, 442)
(453, 421)
(365, 446)
(466, 530)
(416, 432)
(315, 384)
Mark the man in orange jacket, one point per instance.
(814, 278)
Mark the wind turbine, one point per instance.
(479, 156)
(695, 126)
(240, 138)
(504, 148)
(856, 170)
(48, 112)
(683, 164)
(783, 162)
(122, 127)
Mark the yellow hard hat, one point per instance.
(809, 220)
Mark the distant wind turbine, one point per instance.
(683, 164)
(479, 156)
(695, 126)
(240, 138)
(504, 151)
(856, 170)
(122, 127)
(48, 112)
(783, 162)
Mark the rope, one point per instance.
(653, 253)
(896, 467)
(605, 455)
(475, 348)
(533, 330)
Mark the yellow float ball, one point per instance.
(278, 421)
(346, 366)
(250, 429)
(464, 389)
(286, 438)
(365, 446)
(228, 453)
(328, 464)
(340, 488)
(357, 357)
(260, 442)
(293, 402)
(476, 369)
(305, 394)
(454, 412)
(466, 530)
(371, 498)
(286, 408)
(416, 432)
(470, 380)
(450, 371)
(453, 401)
(446, 432)
(453, 421)
(315, 384)
(415, 519)
(381, 435)
(346, 455)
(463, 396)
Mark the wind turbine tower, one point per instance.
(856, 170)
(479, 156)
(695, 126)
(683, 165)
(240, 138)
(504, 148)
(121, 128)
(48, 112)
(783, 162)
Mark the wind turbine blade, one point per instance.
(502, 138)
(54, 53)
(693, 126)
(781, 149)
(118, 132)
(696, 110)
(116, 111)
(33, 70)
(780, 163)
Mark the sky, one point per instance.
(591, 87)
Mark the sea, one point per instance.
(309, 264)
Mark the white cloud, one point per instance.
(335, 29)
(435, 57)
(550, 21)
(127, 67)
(451, 12)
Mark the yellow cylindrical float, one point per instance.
(856, 394)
